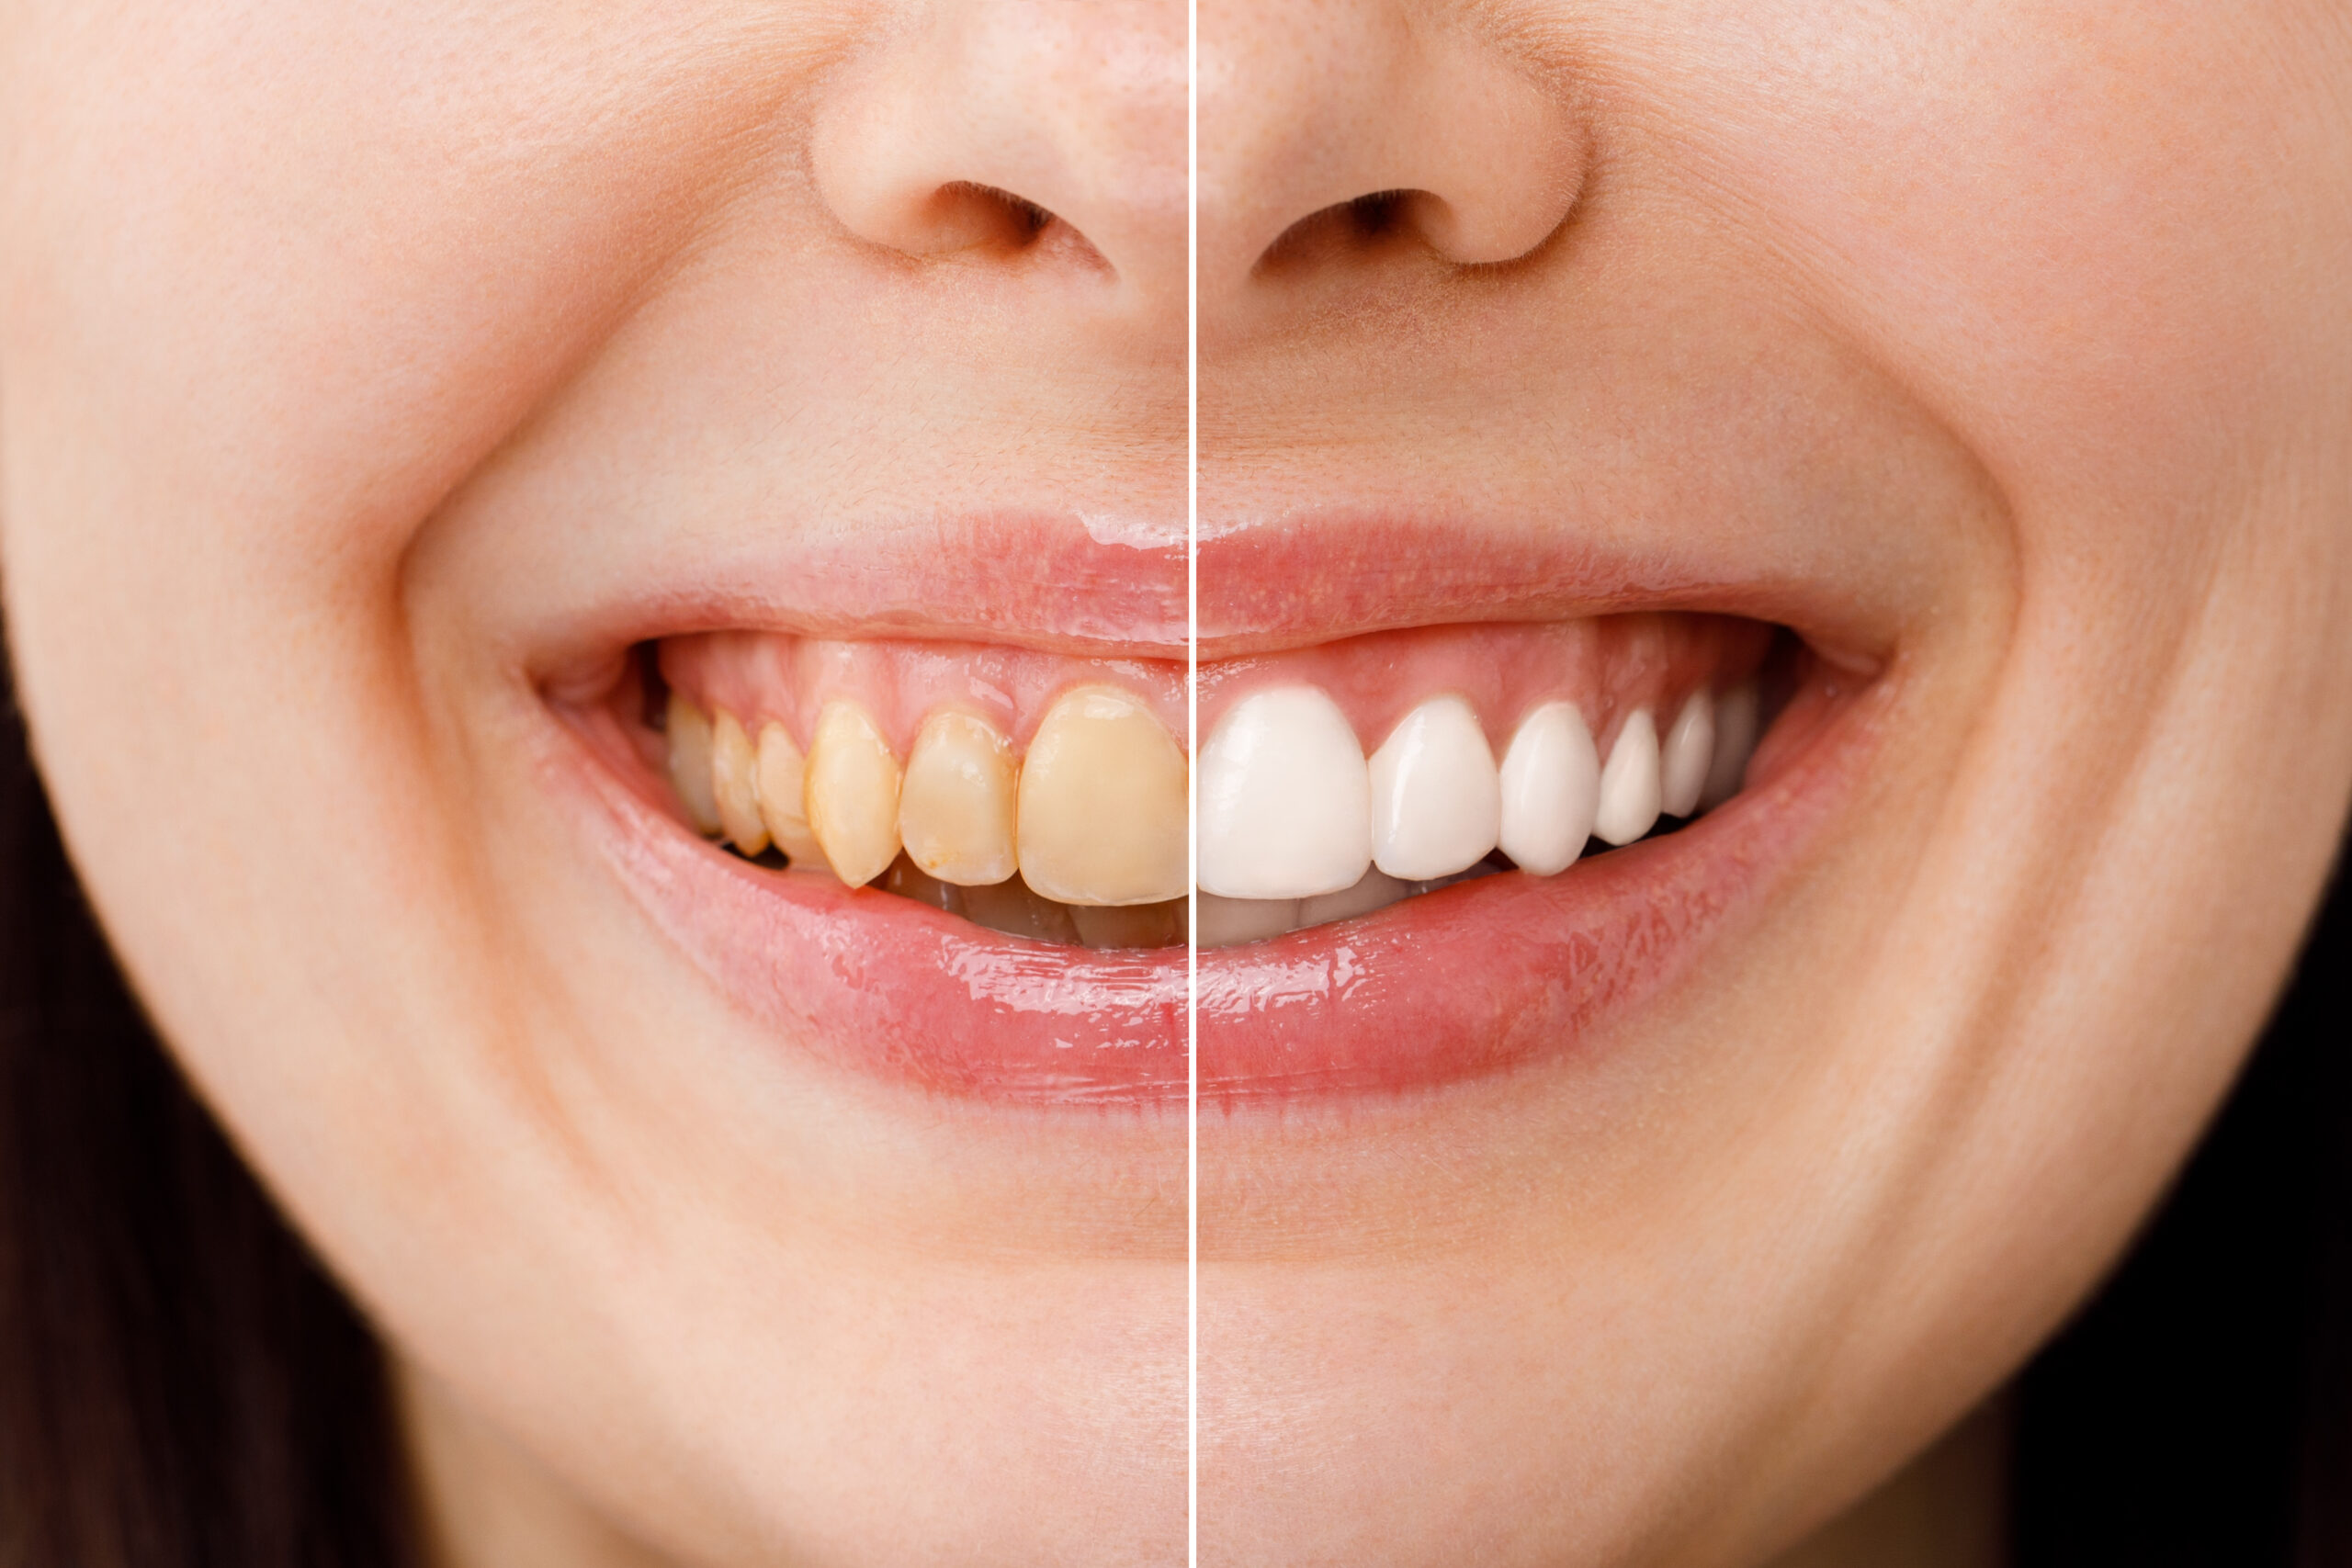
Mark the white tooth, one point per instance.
(688, 730)
(1551, 787)
(1377, 891)
(1285, 799)
(1436, 806)
(1629, 783)
(1735, 741)
(1683, 759)
(1228, 922)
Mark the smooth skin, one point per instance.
(2014, 335)
(347, 350)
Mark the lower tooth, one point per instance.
(852, 793)
(1226, 923)
(687, 728)
(1012, 908)
(1130, 925)
(1377, 891)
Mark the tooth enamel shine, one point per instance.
(1436, 803)
(782, 780)
(957, 807)
(851, 793)
(1685, 755)
(1102, 803)
(734, 785)
(1551, 788)
(1629, 783)
(1285, 799)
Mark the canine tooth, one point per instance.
(851, 793)
(783, 779)
(955, 809)
(1130, 925)
(1228, 922)
(1436, 803)
(1734, 742)
(734, 786)
(1551, 787)
(1102, 803)
(1013, 909)
(1685, 755)
(1377, 891)
(1629, 783)
(688, 728)
(1285, 799)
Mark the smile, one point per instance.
(1426, 852)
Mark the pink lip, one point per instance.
(1471, 980)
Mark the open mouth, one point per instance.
(1425, 851)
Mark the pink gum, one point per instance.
(1608, 666)
(764, 676)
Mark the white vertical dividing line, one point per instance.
(1191, 809)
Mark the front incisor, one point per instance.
(850, 794)
(783, 778)
(955, 810)
(1103, 803)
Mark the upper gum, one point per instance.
(1608, 665)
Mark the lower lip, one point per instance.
(1470, 980)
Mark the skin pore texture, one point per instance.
(373, 379)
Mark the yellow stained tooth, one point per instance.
(851, 793)
(734, 786)
(1010, 907)
(1130, 925)
(782, 777)
(688, 730)
(955, 812)
(1102, 803)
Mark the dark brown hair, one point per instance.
(180, 1383)
(181, 1386)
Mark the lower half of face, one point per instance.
(1751, 768)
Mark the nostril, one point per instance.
(1342, 231)
(962, 215)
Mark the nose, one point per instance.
(1326, 123)
(1050, 132)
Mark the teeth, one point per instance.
(1551, 787)
(689, 733)
(955, 810)
(1285, 799)
(1130, 925)
(1013, 908)
(1436, 803)
(1688, 751)
(1226, 923)
(851, 793)
(1377, 891)
(735, 785)
(1102, 803)
(1735, 741)
(782, 781)
(1629, 783)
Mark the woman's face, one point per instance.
(442, 447)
